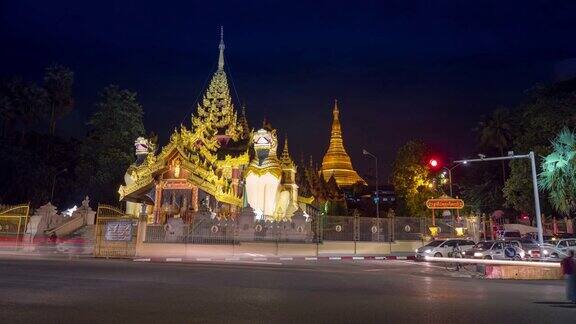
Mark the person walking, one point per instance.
(569, 270)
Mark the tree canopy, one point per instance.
(411, 178)
(558, 176)
(108, 149)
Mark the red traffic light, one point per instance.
(433, 163)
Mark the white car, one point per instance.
(554, 249)
(442, 248)
(497, 250)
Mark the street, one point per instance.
(122, 291)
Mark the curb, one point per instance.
(276, 259)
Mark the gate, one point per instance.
(13, 221)
(115, 233)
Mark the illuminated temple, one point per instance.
(217, 166)
(336, 162)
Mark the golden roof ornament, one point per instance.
(336, 161)
(216, 107)
(285, 159)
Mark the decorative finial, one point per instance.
(335, 111)
(221, 47)
(286, 143)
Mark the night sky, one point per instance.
(399, 69)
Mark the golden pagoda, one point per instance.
(336, 162)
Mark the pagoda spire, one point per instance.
(216, 108)
(286, 160)
(336, 162)
(221, 47)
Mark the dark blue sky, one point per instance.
(400, 69)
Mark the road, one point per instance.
(117, 291)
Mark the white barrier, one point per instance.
(494, 262)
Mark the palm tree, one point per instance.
(558, 175)
(496, 132)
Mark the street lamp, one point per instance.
(54, 182)
(529, 156)
(377, 191)
(449, 169)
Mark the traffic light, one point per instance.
(433, 163)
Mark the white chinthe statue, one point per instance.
(264, 174)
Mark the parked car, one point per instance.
(552, 249)
(557, 248)
(441, 248)
(497, 250)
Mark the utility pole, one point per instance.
(54, 183)
(529, 156)
(377, 190)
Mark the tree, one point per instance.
(58, 82)
(30, 103)
(544, 112)
(411, 178)
(496, 132)
(481, 187)
(558, 176)
(108, 150)
(8, 103)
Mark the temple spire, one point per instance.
(285, 159)
(336, 162)
(221, 47)
(336, 129)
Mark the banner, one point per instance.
(118, 231)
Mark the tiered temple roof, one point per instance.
(216, 107)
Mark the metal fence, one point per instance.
(208, 230)
(203, 231)
(204, 228)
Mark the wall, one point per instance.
(275, 249)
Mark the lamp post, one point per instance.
(450, 174)
(377, 191)
(54, 182)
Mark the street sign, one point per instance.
(445, 203)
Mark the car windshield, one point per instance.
(435, 243)
(483, 246)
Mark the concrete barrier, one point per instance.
(509, 269)
(522, 272)
(326, 248)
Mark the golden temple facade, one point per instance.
(336, 162)
(217, 165)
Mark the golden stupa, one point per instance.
(336, 161)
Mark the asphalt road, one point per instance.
(112, 291)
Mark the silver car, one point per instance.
(497, 250)
(554, 249)
(442, 248)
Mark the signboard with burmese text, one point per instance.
(444, 203)
(120, 230)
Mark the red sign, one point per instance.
(445, 203)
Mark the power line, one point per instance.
(198, 95)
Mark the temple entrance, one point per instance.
(115, 233)
(175, 198)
